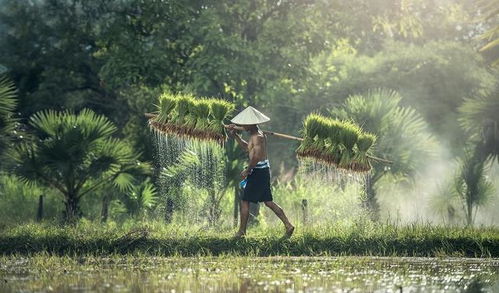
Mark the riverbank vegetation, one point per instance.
(361, 238)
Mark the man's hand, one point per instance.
(231, 130)
(245, 173)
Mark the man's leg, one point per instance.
(244, 218)
(280, 213)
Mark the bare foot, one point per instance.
(289, 231)
(239, 235)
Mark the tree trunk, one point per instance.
(254, 212)
(106, 200)
(39, 214)
(214, 210)
(469, 211)
(72, 213)
(370, 203)
(169, 210)
(237, 204)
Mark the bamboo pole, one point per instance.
(286, 136)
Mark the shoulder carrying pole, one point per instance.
(151, 115)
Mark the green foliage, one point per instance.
(469, 189)
(433, 78)
(491, 36)
(471, 185)
(140, 199)
(19, 201)
(76, 155)
(402, 134)
(8, 103)
(480, 120)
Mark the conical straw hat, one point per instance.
(250, 116)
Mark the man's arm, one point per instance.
(241, 142)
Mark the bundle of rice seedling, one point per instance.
(364, 143)
(333, 142)
(191, 116)
(202, 114)
(334, 148)
(220, 110)
(167, 104)
(311, 126)
(182, 109)
(186, 116)
(348, 136)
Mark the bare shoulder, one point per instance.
(258, 138)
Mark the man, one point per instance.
(257, 173)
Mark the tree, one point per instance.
(491, 36)
(76, 155)
(7, 105)
(470, 184)
(403, 136)
(140, 198)
(433, 78)
(480, 120)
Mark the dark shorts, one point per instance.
(258, 186)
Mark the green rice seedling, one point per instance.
(191, 116)
(220, 109)
(349, 134)
(333, 149)
(202, 114)
(310, 125)
(184, 115)
(322, 129)
(167, 104)
(334, 142)
(364, 143)
(183, 103)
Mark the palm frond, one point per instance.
(8, 104)
(480, 120)
(402, 134)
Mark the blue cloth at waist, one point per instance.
(262, 164)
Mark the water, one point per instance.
(189, 163)
(247, 274)
(329, 173)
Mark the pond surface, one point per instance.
(247, 274)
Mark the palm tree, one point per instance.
(76, 155)
(140, 198)
(480, 119)
(403, 137)
(7, 105)
(470, 184)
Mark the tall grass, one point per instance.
(155, 238)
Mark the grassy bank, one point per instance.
(169, 240)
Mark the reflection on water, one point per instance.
(246, 274)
